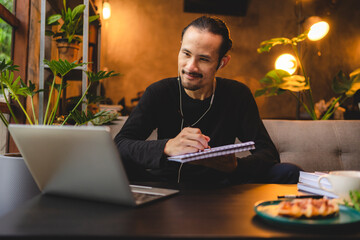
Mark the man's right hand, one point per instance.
(189, 140)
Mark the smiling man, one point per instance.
(197, 110)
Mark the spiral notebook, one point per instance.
(214, 152)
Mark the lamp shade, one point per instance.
(286, 62)
(318, 30)
(317, 26)
(106, 10)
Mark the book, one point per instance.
(311, 175)
(213, 152)
(315, 190)
(312, 179)
(308, 182)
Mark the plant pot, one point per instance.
(16, 183)
(68, 51)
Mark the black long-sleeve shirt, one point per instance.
(233, 114)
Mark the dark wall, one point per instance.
(142, 39)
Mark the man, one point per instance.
(195, 111)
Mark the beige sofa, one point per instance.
(312, 145)
(317, 145)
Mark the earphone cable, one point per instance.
(182, 116)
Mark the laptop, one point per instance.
(80, 162)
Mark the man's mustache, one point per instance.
(193, 74)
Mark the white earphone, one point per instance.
(221, 64)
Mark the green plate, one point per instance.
(347, 215)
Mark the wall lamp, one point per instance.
(106, 10)
(286, 62)
(318, 28)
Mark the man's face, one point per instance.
(198, 58)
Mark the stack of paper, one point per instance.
(308, 182)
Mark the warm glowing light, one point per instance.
(286, 62)
(106, 10)
(318, 31)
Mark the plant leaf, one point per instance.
(355, 85)
(77, 11)
(355, 72)
(82, 118)
(8, 66)
(105, 118)
(15, 89)
(294, 83)
(272, 83)
(265, 46)
(94, 77)
(341, 83)
(93, 18)
(53, 19)
(61, 67)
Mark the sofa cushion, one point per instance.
(317, 145)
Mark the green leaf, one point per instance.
(272, 83)
(355, 72)
(77, 11)
(8, 66)
(348, 86)
(93, 18)
(341, 83)
(82, 118)
(355, 85)
(260, 92)
(53, 19)
(266, 80)
(277, 75)
(49, 33)
(61, 67)
(294, 83)
(94, 77)
(106, 118)
(265, 46)
(15, 89)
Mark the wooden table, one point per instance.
(192, 214)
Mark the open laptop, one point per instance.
(79, 162)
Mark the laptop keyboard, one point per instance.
(144, 197)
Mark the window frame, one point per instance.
(20, 21)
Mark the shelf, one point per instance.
(90, 48)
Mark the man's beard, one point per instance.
(190, 86)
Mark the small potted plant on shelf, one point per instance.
(71, 28)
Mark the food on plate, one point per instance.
(308, 208)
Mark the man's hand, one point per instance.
(226, 163)
(189, 140)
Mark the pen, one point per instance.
(301, 196)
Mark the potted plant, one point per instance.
(71, 28)
(278, 81)
(17, 89)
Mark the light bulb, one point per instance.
(106, 10)
(286, 62)
(318, 31)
